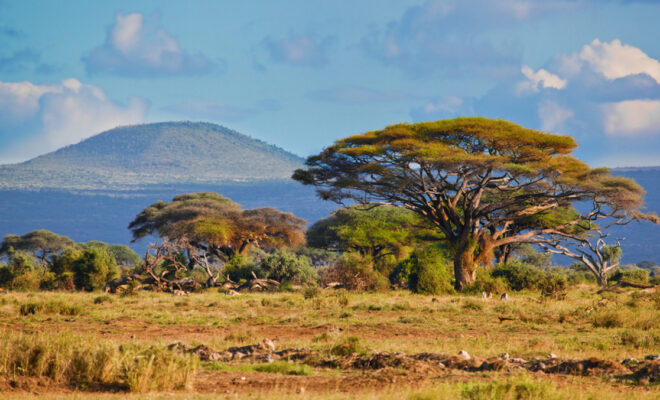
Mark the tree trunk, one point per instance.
(464, 268)
(601, 279)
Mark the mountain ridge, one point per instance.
(129, 157)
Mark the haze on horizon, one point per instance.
(303, 75)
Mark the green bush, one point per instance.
(637, 275)
(554, 285)
(485, 282)
(240, 268)
(425, 271)
(21, 273)
(284, 266)
(94, 269)
(519, 275)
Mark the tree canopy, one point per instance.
(217, 225)
(372, 231)
(483, 183)
(41, 243)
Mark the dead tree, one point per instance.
(600, 258)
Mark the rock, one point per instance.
(542, 366)
(267, 345)
(552, 355)
(463, 355)
(518, 360)
(629, 361)
(504, 356)
(238, 355)
(652, 357)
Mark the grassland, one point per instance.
(92, 345)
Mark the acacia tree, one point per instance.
(217, 226)
(372, 231)
(43, 244)
(481, 182)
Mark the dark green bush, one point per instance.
(425, 271)
(519, 275)
(241, 268)
(94, 268)
(284, 266)
(637, 275)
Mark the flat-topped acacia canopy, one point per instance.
(482, 182)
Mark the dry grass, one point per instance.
(619, 326)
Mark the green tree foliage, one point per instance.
(21, 272)
(480, 182)
(41, 243)
(217, 225)
(520, 275)
(380, 232)
(284, 266)
(528, 254)
(426, 271)
(94, 269)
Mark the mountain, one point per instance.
(164, 153)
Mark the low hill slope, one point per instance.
(153, 154)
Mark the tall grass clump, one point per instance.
(85, 363)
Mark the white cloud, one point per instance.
(35, 119)
(616, 60)
(552, 115)
(541, 78)
(302, 50)
(632, 117)
(136, 48)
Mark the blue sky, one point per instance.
(301, 74)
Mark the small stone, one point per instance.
(504, 356)
(441, 366)
(552, 355)
(542, 366)
(267, 344)
(518, 360)
(238, 355)
(629, 361)
(464, 355)
(652, 357)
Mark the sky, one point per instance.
(301, 74)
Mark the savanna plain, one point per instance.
(330, 344)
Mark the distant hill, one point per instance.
(131, 157)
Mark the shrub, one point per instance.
(485, 282)
(554, 285)
(355, 272)
(519, 275)
(425, 271)
(94, 269)
(348, 346)
(241, 268)
(284, 266)
(631, 275)
(311, 292)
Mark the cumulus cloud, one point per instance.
(35, 119)
(300, 50)
(632, 117)
(541, 78)
(134, 47)
(448, 36)
(595, 94)
(616, 60)
(552, 115)
(221, 112)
